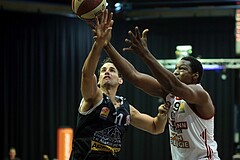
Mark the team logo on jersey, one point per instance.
(104, 112)
(182, 107)
(108, 140)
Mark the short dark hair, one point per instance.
(195, 65)
(108, 60)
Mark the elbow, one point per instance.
(159, 126)
(132, 77)
(84, 72)
(159, 131)
(86, 75)
(173, 85)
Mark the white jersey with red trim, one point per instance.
(191, 137)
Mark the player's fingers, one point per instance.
(144, 33)
(108, 30)
(131, 35)
(97, 20)
(127, 49)
(106, 16)
(94, 31)
(137, 32)
(101, 16)
(166, 108)
(128, 41)
(110, 17)
(111, 23)
(163, 108)
(94, 37)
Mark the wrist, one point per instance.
(107, 46)
(99, 44)
(161, 116)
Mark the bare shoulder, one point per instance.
(200, 93)
(89, 103)
(204, 105)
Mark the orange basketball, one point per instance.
(88, 9)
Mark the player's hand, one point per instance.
(163, 110)
(137, 42)
(102, 28)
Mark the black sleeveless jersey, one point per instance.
(99, 134)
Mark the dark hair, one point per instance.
(108, 60)
(195, 65)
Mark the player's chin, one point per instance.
(106, 82)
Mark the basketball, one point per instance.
(88, 9)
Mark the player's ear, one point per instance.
(195, 76)
(120, 80)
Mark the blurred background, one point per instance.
(43, 46)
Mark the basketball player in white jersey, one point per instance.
(191, 114)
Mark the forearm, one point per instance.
(136, 78)
(126, 68)
(164, 76)
(89, 80)
(160, 122)
(90, 64)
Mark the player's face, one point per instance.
(183, 72)
(12, 153)
(109, 75)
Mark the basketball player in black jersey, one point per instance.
(103, 117)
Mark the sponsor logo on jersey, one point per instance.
(104, 112)
(177, 141)
(96, 146)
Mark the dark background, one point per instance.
(43, 46)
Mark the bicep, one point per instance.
(140, 120)
(89, 88)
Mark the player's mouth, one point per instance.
(106, 77)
